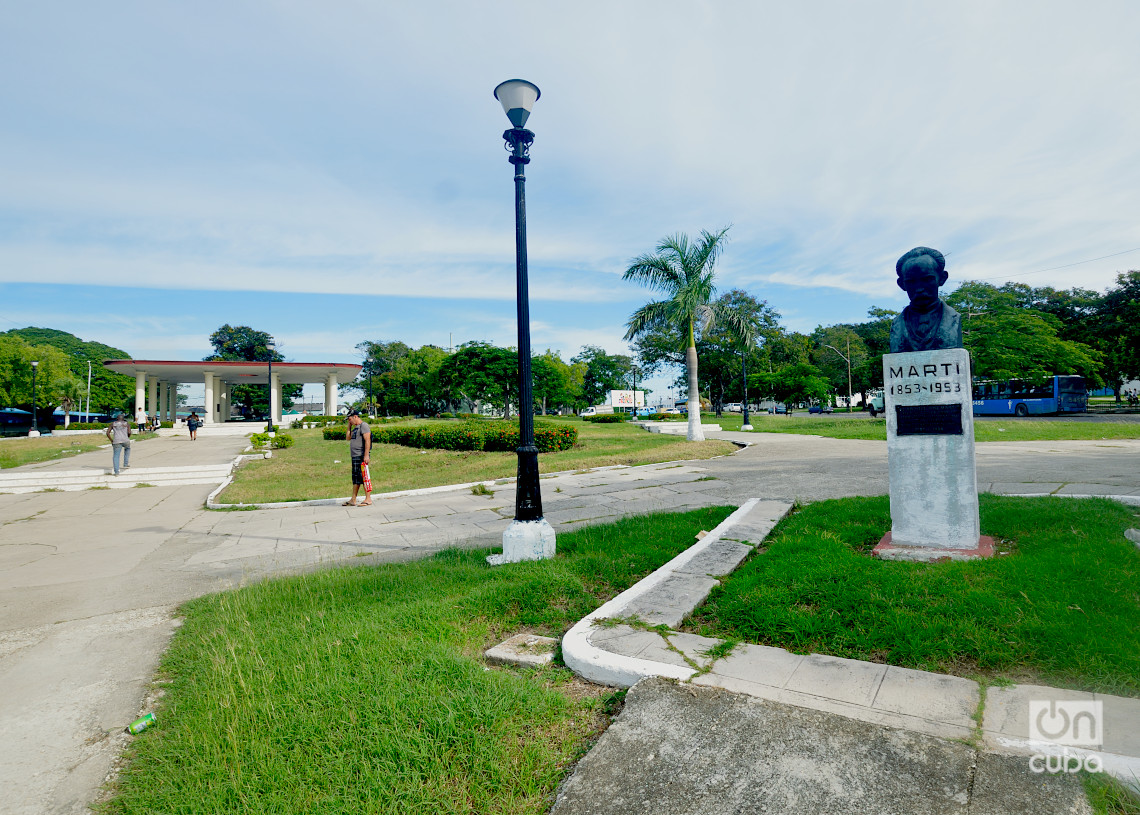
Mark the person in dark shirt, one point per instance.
(359, 447)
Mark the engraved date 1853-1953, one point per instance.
(926, 387)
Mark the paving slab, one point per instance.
(1002, 785)
(940, 697)
(1006, 719)
(847, 680)
(719, 559)
(760, 664)
(1121, 724)
(688, 750)
(669, 602)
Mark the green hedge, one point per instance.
(488, 436)
(606, 418)
(86, 426)
(335, 433)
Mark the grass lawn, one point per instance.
(364, 689)
(15, 452)
(1061, 607)
(838, 426)
(307, 470)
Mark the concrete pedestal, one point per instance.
(930, 454)
(525, 540)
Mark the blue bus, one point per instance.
(1016, 397)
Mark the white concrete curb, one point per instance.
(502, 482)
(607, 668)
(1124, 499)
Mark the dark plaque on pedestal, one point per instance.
(929, 420)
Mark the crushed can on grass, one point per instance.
(139, 725)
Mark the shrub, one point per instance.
(489, 436)
(606, 418)
(87, 425)
(259, 439)
(281, 441)
(335, 433)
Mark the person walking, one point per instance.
(192, 424)
(359, 449)
(119, 434)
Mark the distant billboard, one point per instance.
(627, 399)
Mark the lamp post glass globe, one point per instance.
(517, 96)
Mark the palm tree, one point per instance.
(683, 271)
(69, 391)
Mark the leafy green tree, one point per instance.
(69, 393)
(684, 271)
(17, 381)
(1117, 324)
(835, 345)
(604, 372)
(556, 384)
(380, 359)
(1023, 344)
(412, 384)
(876, 336)
(245, 344)
(482, 373)
(110, 391)
(791, 383)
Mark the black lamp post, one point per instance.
(35, 419)
(271, 347)
(517, 96)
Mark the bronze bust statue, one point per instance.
(927, 323)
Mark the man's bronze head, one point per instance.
(921, 271)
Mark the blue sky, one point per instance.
(334, 172)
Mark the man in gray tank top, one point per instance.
(359, 447)
(119, 434)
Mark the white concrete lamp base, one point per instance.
(525, 540)
(746, 427)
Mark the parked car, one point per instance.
(821, 409)
(672, 411)
(734, 407)
(875, 405)
(778, 409)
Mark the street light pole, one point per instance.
(846, 359)
(271, 347)
(747, 425)
(529, 537)
(35, 421)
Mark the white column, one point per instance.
(330, 395)
(140, 392)
(275, 400)
(208, 407)
(218, 386)
(223, 401)
(163, 401)
(152, 396)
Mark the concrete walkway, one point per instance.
(89, 581)
(935, 711)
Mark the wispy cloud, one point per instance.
(277, 147)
